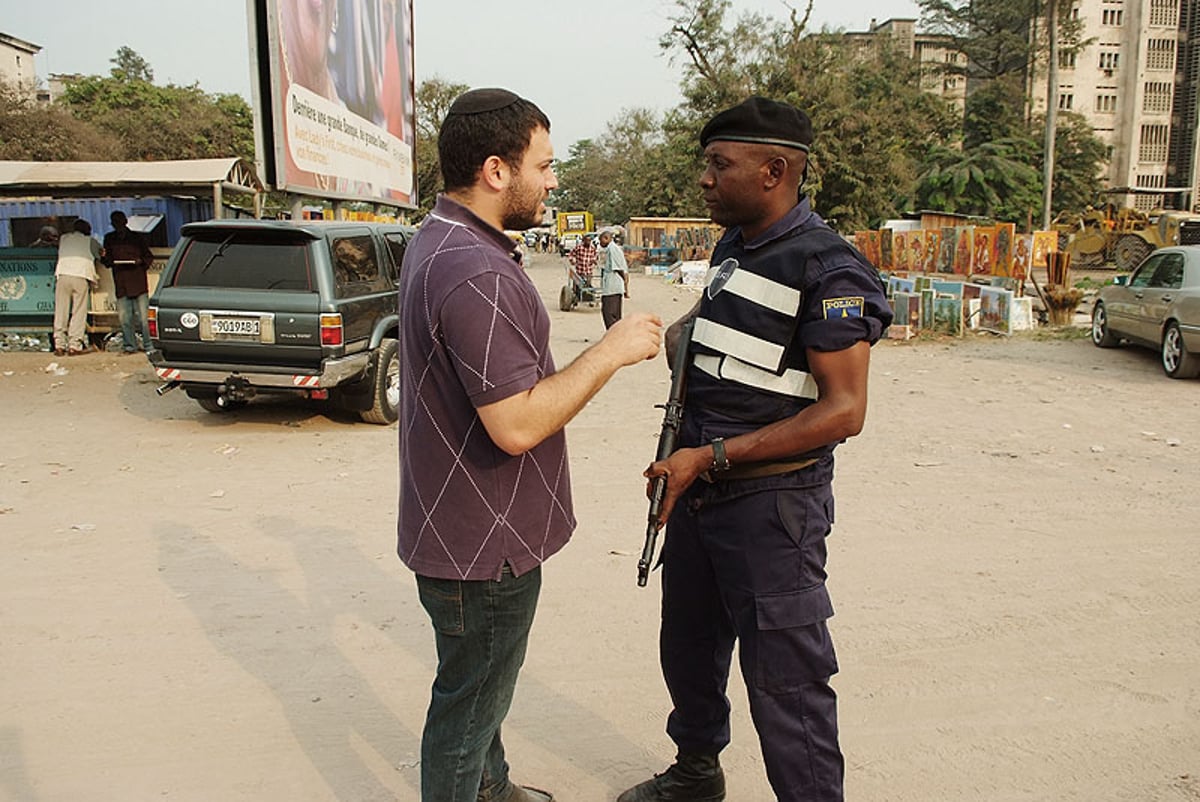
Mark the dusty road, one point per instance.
(207, 608)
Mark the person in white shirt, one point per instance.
(74, 275)
(614, 278)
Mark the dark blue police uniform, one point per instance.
(744, 558)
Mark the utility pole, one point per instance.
(1051, 111)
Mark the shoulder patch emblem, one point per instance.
(838, 308)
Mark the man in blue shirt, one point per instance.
(614, 278)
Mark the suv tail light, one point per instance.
(331, 329)
(152, 321)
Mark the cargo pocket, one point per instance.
(443, 601)
(794, 647)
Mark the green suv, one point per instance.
(248, 307)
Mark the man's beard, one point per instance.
(521, 208)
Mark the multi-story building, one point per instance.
(933, 52)
(16, 63)
(1136, 81)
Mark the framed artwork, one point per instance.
(995, 310)
(933, 248)
(1022, 258)
(946, 251)
(948, 315)
(1002, 247)
(964, 250)
(983, 262)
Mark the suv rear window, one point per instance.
(245, 260)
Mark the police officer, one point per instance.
(780, 349)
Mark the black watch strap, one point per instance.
(720, 461)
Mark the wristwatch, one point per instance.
(720, 462)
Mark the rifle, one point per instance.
(672, 417)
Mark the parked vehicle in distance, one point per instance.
(1158, 307)
(307, 308)
(567, 242)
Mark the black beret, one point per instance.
(478, 101)
(763, 121)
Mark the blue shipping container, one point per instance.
(159, 218)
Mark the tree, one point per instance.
(434, 97)
(36, 132)
(1003, 45)
(160, 122)
(129, 66)
(872, 121)
(995, 179)
(1078, 162)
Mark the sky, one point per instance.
(582, 68)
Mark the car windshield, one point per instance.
(245, 260)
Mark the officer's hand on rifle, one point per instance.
(681, 469)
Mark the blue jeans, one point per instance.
(481, 630)
(127, 309)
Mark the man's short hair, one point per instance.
(82, 226)
(483, 123)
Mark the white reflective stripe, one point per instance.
(795, 383)
(764, 292)
(735, 343)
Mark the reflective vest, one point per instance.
(746, 329)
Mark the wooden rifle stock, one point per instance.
(672, 417)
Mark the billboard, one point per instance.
(334, 98)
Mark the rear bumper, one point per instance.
(333, 372)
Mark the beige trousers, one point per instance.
(70, 312)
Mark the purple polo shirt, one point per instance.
(473, 331)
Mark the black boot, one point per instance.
(691, 778)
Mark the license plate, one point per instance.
(225, 326)
(236, 326)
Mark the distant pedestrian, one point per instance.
(47, 238)
(126, 252)
(614, 278)
(74, 275)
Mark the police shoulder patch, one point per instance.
(838, 308)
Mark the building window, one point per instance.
(1111, 16)
(1157, 98)
(1164, 13)
(1066, 59)
(1066, 101)
(1160, 54)
(1106, 104)
(1153, 145)
(1109, 60)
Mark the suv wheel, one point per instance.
(385, 392)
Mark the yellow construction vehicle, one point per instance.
(1122, 236)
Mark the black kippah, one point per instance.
(761, 121)
(478, 101)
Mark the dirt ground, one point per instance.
(206, 607)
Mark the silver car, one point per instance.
(1158, 307)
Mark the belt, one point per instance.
(757, 470)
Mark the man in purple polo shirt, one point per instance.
(485, 492)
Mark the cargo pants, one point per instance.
(745, 561)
